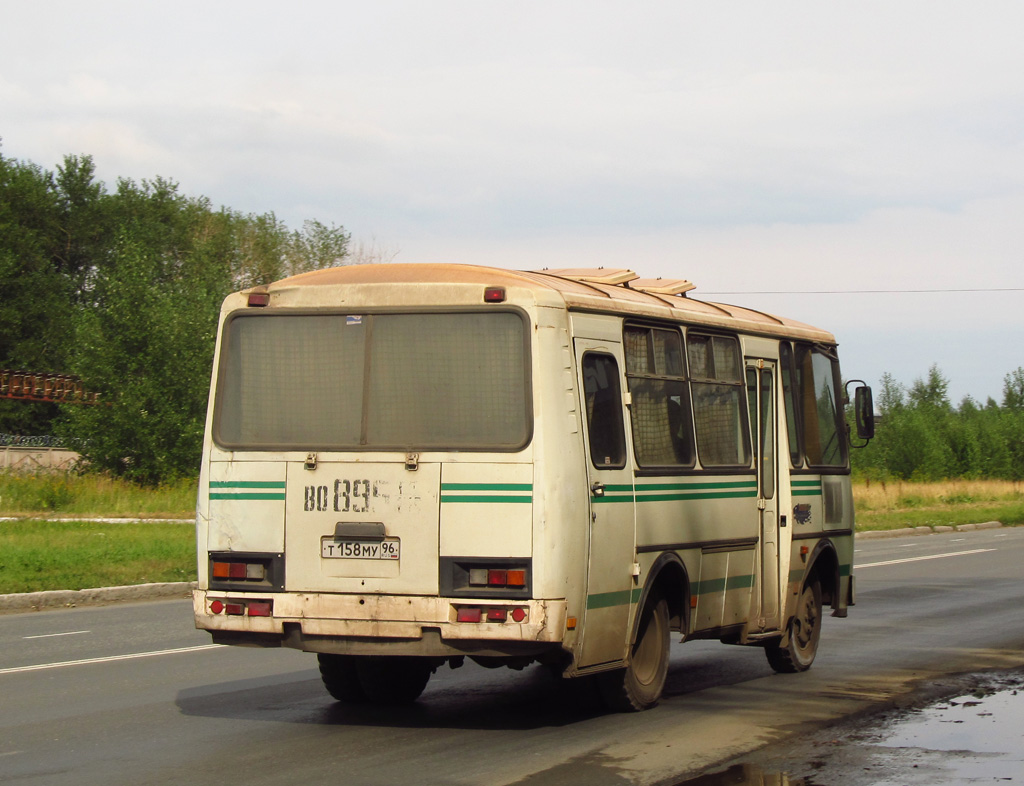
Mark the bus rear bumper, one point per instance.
(372, 625)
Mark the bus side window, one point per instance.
(604, 411)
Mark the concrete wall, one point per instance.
(17, 459)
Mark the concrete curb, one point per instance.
(55, 599)
(905, 531)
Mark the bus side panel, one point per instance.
(561, 508)
(246, 506)
(486, 510)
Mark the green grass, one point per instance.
(69, 494)
(48, 555)
(1009, 513)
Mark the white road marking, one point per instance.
(109, 659)
(52, 635)
(919, 559)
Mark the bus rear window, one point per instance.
(373, 381)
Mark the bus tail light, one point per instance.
(236, 607)
(486, 578)
(234, 571)
(497, 577)
(491, 614)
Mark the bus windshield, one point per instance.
(373, 381)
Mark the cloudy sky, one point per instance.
(833, 162)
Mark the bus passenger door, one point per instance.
(610, 579)
(761, 400)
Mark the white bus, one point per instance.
(407, 465)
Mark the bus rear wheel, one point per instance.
(804, 631)
(375, 679)
(638, 686)
(341, 677)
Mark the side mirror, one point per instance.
(864, 410)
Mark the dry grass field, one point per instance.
(894, 504)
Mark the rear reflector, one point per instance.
(518, 614)
(235, 609)
(259, 609)
(497, 615)
(468, 615)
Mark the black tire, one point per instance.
(804, 633)
(394, 679)
(340, 674)
(639, 686)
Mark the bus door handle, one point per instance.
(597, 489)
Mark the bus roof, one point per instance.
(607, 290)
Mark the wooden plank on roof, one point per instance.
(610, 276)
(662, 286)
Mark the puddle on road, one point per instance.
(745, 775)
(973, 738)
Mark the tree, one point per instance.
(1013, 390)
(146, 346)
(124, 289)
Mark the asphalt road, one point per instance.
(131, 694)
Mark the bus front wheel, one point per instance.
(638, 686)
(804, 632)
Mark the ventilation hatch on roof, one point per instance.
(600, 275)
(662, 286)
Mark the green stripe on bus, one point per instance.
(711, 586)
(247, 495)
(247, 484)
(807, 492)
(483, 498)
(644, 497)
(605, 600)
(745, 484)
(486, 487)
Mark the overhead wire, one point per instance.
(863, 291)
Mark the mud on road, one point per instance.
(958, 730)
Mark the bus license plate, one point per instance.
(334, 548)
